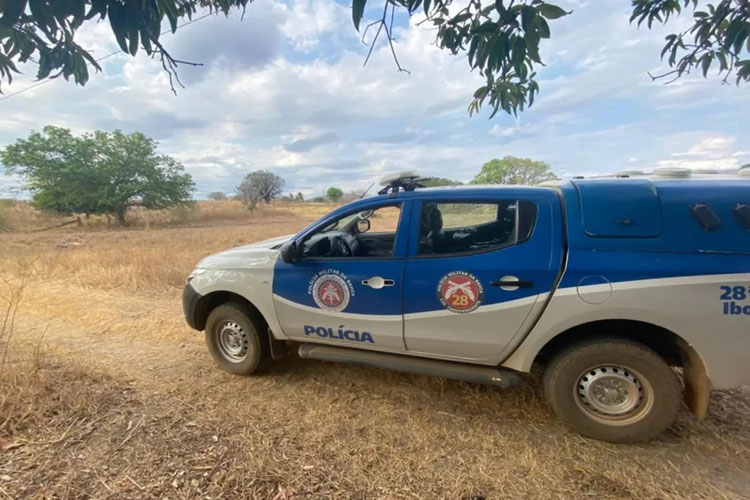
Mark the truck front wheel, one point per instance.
(235, 339)
(614, 390)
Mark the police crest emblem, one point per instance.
(331, 291)
(460, 292)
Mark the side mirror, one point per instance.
(289, 252)
(363, 225)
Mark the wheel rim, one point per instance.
(613, 394)
(232, 341)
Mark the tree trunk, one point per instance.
(121, 213)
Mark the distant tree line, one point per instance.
(111, 172)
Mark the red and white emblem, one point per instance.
(330, 292)
(460, 291)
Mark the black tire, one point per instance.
(236, 338)
(586, 382)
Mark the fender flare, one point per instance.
(697, 383)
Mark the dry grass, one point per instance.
(151, 260)
(123, 401)
(20, 216)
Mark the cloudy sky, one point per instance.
(285, 90)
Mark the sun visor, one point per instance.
(620, 208)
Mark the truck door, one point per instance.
(346, 287)
(478, 273)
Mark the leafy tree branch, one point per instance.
(500, 39)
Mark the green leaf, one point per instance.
(145, 40)
(88, 57)
(722, 61)
(133, 40)
(731, 32)
(481, 92)
(739, 39)
(167, 7)
(43, 16)
(743, 71)
(527, 16)
(117, 23)
(532, 46)
(133, 22)
(98, 8)
(518, 54)
(459, 18)
(551, 11)
(543, 27)
(358, 10)
(12, 10)
(486, 27)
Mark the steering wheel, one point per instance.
(339, 247)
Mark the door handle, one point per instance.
(377, 282)
(511, 283)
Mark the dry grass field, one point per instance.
(106, 393)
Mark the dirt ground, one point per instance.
(106, 393)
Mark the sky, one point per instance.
(284, 89)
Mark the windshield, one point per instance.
(344, 221)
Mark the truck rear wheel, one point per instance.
(614, 390)
(235, 339)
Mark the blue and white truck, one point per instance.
(632, 291)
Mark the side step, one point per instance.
(486, 375)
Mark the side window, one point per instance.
(361, 234)
(385, 220)
(468, 227)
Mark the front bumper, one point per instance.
(190, 300)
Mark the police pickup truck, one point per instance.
(632, 291)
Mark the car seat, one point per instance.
(430, 229)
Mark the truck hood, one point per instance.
(262, 253)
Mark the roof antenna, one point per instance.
(366, 190)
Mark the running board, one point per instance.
(486, 375)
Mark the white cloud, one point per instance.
(285, 90)
(712, 145)
(307, 21)
(704, 150)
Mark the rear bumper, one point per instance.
(190, 299)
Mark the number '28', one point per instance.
(733, 293)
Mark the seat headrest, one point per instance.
(435, 220)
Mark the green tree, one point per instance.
(334, 194)
(499, 38)
(299, 197)
(259, 185)
(217, 196)
(96, 173)
(512, 170)
(438, 181)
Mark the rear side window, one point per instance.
(471, 227)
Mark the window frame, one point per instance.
(399, 243)
(417, 214)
